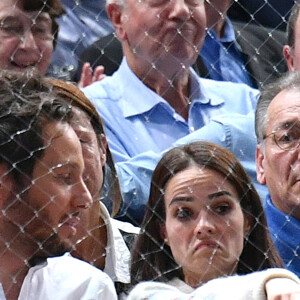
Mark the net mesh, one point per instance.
(90, 23)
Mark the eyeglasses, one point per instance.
(19, 26)
(286, 139)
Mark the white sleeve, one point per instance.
(250, 287)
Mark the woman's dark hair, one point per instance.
(152, 259)
(77, 98)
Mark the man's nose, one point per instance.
(82, 198)
(179, 9)
(27, 40)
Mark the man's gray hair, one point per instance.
(291, 24)
(289, 81)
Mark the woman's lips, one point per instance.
(207, 244)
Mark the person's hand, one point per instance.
(282, 289)
(87, 77)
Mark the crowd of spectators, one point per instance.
(168, 168)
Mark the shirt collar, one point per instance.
(201, 90)
(229, 34)
(282, 223)
(117, 254)
(181, 285)
(140, 99)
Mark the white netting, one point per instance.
(36, 220)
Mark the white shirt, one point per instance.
(66, 278)
(118, 255)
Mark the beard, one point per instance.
(51, 247)
(40, 239)
(46, 238)
(54, 246)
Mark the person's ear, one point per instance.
(248, 223)
(118, 16)
(289, 57)
(163, 233)
(103, 147)
(260, 158)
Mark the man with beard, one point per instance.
(42, 195)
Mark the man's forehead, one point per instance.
(285, 106)
(61, 141)
(53, 129)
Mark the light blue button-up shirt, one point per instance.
(232, 131)
(223, 57)
(140, 125)
(139, 120)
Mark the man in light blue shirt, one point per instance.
(233, 131)
(138, 120)
(155, 98)
(274, 164)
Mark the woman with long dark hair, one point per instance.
(204, 220)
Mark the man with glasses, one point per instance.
(277, 126)
(28, 36)
(28, 32)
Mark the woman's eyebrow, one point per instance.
(219, 194)
(181, 199)
(191, 199)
